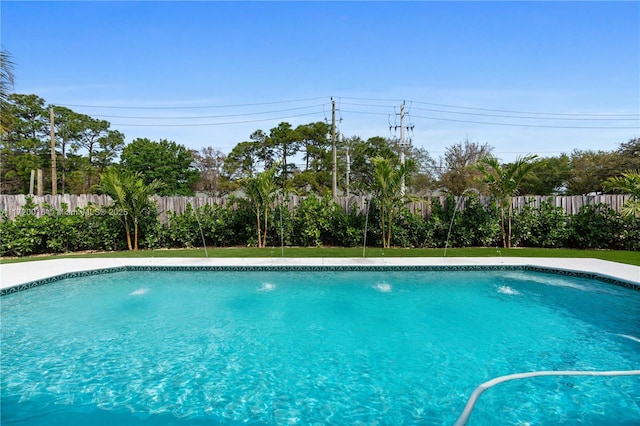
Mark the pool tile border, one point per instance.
(321, 268)
(54, 278)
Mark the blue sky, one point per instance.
(550, 77)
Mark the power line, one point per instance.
(570, 116)
(368, 112)
(194, 107)
(529, 125)
(607, 118)
(394, 101)
(530, 112)
(501, 124)
(584, 117)
(214, 124)
(496, 110)
(466, 112)
(208, 116)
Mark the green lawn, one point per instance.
(630, 257)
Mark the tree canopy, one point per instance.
(165, 161)
(86, 146)
(457, 169)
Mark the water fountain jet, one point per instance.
(366, 222)
(455, 208)
(206, 254)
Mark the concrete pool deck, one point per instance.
(15, 274)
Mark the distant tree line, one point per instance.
(86, 147)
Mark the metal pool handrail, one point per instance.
(464, 417)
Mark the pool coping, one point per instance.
(22, 276)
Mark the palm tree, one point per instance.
(111, 183)
(388, 185)
(6, 84)
(131, 198)
(140, 202)
(503, 183)
(261, 192)
(627, 183)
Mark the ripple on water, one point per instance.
(335, 349)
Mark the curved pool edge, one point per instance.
(22, 276)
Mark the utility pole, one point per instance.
(334, 167)
(402, 144)
(54, 172)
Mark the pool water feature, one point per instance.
(351, 347)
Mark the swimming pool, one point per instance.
(324, 347)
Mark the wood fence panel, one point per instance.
(13, 205)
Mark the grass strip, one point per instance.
(621, 256)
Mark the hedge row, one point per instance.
(320, 222)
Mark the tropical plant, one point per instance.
(313, 221)
(546, 226)
(412, 230)
(347, 226)
(475, 225)
(503, 183)
(627, 183)
(594, 227)
(388, 187)
(6, 84)
(261, 192)
(131, 198)
(43, 229)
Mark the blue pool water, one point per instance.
(196, 348)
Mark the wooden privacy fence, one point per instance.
(13, 205)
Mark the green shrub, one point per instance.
(628, 234)
(60, 231)
(21, 236)
(348, 226)
(243, 225)
(547, 226)
(594, 227)
(474, 225)
(412, 230)
(313, 222)
(317, 222)
(441, 218)
(214, 220)
(183, 229)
